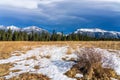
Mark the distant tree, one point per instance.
(3, 36)
(25, 36)
(54, 36)
(9, 35)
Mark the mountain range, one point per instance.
(28, 29)
(98, 33)
(95, 32)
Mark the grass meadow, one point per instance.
(8, 48)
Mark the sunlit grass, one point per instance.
(6, 48)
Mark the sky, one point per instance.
(61, 15)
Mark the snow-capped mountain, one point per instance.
(28, 29)
(34, 29)
(91, 30)
(14, 28)
(98, 33)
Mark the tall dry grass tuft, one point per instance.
(88, 60)
(89, 64)
(89, 56)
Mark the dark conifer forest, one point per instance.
(9, 35)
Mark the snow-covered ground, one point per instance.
(48, 58)
(50, 61)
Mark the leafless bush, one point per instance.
(88, 60)
(89, 56)
(89, 63)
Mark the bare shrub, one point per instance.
(89, 64)
(89, 56)
(88, 60)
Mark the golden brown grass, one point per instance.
(7, 47)
(100, 44)
(30, 76)
(32, 57)
(47, 56)
(69, 51)
(4, 69)
(36, 67)
(17, 70)
(89, 64)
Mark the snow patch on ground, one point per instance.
(110, 59)
(78, 75)
(54, 66)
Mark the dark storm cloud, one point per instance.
(69, 13)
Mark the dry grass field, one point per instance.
(7, 48)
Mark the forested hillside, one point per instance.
(9, 35)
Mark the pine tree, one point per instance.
(9, 35)
(15, 36)
(3, 36)
(53, 36)
(25, 36)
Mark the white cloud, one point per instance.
(49, 1)
(108, 0)
(33, 4)
(60, 10)
(30, 4)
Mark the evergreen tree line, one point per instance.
(9, 35)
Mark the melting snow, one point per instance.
(110, 59)
(54, 66)
(79, 75)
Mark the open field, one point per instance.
(60, 60)
(6, 48)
